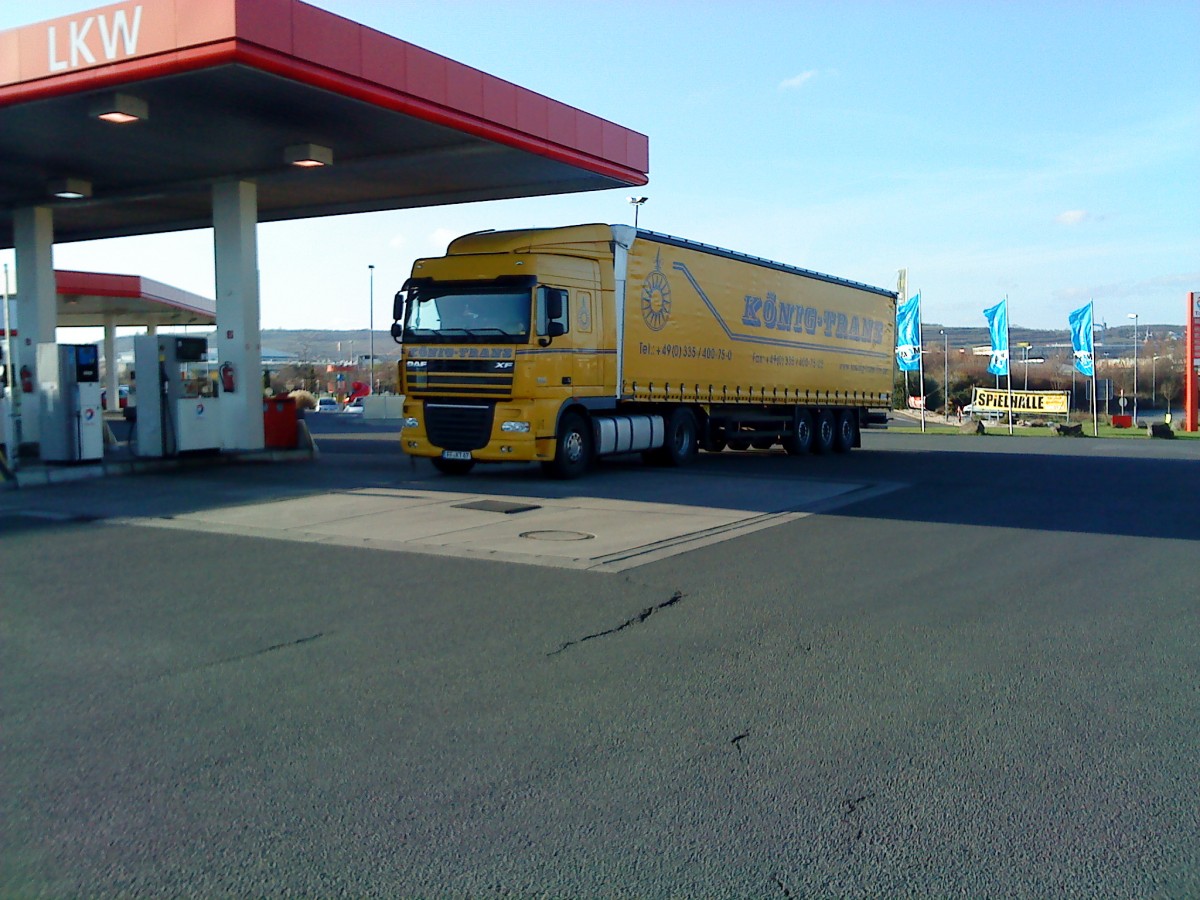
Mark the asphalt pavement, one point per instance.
(974, 675)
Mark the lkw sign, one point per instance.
(108, 35)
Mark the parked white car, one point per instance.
(354, 406)
(326, 404)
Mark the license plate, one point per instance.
(456, 454)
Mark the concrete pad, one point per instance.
(577, 532)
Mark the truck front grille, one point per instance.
(455, 377)
(459, 426)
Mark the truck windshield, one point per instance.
(467, 314)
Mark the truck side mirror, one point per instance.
(398, 306)
(397, 332)
(553, 330)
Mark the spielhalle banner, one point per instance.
(1049, 403)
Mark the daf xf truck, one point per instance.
(561, 345)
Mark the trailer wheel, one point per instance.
(739, 444)
(800, 441)
(847, 431)
(763, 444)
(453, 466)
(682, 441)
(574, 448)
(825, 433)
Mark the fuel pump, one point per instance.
(72, 427)
(5, 407)
(175, 414)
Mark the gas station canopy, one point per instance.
(94, 299)
(325, 115)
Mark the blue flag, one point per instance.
(908, 334)
(997, 317)
(1082, 340)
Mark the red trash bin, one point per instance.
(1122, 421)
(279, 423)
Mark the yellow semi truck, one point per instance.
(562, 345)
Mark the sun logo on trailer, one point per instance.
(656, 297)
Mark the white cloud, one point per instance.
(440, 238)
(797, 81)
(1072, 217)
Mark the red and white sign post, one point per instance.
(1191, 377)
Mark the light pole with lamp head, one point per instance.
(1154, 380)
(946, 375)
(1134, 316)
(371, 326)
(637, 205)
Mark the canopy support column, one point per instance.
(111, 381)
(239, 343)
(37, 302)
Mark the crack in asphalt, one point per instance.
(737, 741)
(242, 657)
(851, 807)
(274, 647)
(636, 620)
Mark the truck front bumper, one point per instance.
(511, 437)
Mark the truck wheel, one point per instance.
(574, 447)
(847, 431)
(681, 444)
(453, 466)
(800, 441)
(739, 444)
(764, 444)
(825, 433)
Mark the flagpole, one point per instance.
(1008, 362)
(921, 361)
(1092, 337)
(902, 290)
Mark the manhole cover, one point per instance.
(500, 506)
(557, 535)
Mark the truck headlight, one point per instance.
(410, 422)
(522, 427)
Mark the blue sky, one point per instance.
(1045, 151)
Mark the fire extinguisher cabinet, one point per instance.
(279, 423)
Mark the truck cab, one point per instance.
(496, 341)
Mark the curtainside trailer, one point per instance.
(562, 345)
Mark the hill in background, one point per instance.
(318, 346)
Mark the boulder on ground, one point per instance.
(1065, 430)
(972, 428)
(1159, 430)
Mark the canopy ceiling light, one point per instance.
(120, 108)
(308, 156)
(70, 188)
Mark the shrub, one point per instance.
(304, 399)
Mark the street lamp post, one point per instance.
(946, 374)
(637, 205)
(1026, 349)
(1134, 316)
(371, 327)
